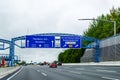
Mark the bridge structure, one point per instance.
(57, 36)
(4, 45)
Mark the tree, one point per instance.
(102, 29)
(22, 63)
(97, 29)
(70, 56)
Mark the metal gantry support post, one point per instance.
(95, 44)
(11, 55)
(97, 52)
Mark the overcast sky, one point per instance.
(22, 17)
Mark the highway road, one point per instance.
(36, 72)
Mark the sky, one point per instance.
(26, 17)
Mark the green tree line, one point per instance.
(71, 56)
(102, 29)
(98, 29)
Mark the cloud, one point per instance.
(21, 17)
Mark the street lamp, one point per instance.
(114, 22)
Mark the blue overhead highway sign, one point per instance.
(40, 41)
(70, 42)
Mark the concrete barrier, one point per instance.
(8, 70)
(110, 63)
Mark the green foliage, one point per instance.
(103, 29)
(70, 56)
(97, 29)
(22, 63)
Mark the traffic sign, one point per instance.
(70, 42)
(40, 41)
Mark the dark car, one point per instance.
(41, 64)
(59, 64)
(53, 65)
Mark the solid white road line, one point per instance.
(15, 74)
(100, 70)
(110, 78)
(43, 74)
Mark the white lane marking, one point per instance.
(98, 67)
(73, 72)
(100, 70)
(109, 78)
(59, 69)
(80, 68)
(43, 74)
(14, 74)
(38, 71)
(66, 67)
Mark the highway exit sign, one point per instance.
(70, 42)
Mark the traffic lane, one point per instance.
(63, 74)
(52, 74)
(60, 73)
(93, 67)
(108, 72)
(91, 74)
(27, 73)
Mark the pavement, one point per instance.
(7, 70)
(107, 63)
(67, 72)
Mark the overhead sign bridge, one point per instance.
(51, 40)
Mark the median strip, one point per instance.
(15, 74)
(6, 71)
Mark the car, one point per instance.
(53, 65)
(59, 64)
(41, 64)
(24, 64)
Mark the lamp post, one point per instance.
(112, 21)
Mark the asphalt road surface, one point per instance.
(35, 72)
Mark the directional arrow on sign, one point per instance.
(76, 45)
(65, 45)
(40, 45)
(52, 43)
(27, 42)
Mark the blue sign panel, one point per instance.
(40, 41)
(70, 42)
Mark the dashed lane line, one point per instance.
(100, 70)
(38, 70)
(44, 74)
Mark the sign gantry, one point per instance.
(53, 40)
